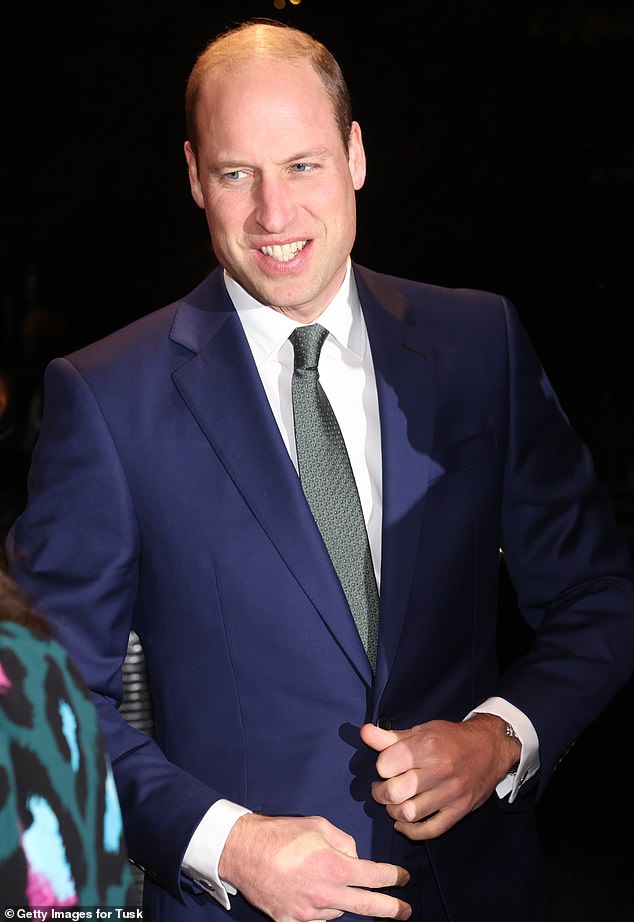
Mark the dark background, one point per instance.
(500, 156)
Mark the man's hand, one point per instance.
(298, 869)
(437, 772)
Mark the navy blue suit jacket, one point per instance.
(162, 499)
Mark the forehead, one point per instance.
(264, 98)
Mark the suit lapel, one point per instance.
(221, 387)
(404, 370)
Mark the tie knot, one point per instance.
(307, 342)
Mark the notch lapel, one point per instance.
(221, 387)
(404, 371)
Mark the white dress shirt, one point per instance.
(346, 373)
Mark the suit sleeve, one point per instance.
(75, 550)
(569, 563)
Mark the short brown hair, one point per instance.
(16, 606)
(274, 40)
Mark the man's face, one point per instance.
(276, 183)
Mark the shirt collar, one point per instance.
(267, 329)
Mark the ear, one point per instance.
(194, 182)
(356, 156)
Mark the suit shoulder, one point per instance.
(426, 294)
(141, 333)
(144, 339)
(450, 314)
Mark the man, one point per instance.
(305, 765)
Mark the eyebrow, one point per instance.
(317, 153)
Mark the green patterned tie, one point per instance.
(330, 488)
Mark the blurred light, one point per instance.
(295, 2)
(279, 4)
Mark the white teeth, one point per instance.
(286, 251)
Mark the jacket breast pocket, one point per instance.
(463, 454)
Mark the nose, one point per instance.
(274, 205)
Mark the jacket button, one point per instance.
(384, 723)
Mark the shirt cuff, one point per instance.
(529, 759)
(205, 847)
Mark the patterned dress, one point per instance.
(61, 835)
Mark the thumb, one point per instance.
(377, 738)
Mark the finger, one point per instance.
(377, 874)
(404, 803)
(399, 789)
(379, 905)
(430, 826)
(361, 893)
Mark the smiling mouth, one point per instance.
(285, 251)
